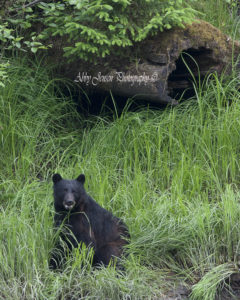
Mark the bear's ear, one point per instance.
(81, 178)
(56, 178)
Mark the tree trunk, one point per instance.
(160, 68)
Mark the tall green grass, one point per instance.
(172, 175)
(221, 13)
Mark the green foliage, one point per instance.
(3, 72)
(221, 13)
(207, 288)
(173, 175)
(92, 28)
(232, 3)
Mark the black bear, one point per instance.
(87, 222)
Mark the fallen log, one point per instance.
(157, 69)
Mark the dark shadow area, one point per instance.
(231, 289)
(200, 62)
(107, 104)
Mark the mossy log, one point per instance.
(158, 69)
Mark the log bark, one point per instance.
(157, 69)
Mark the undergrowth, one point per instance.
(224, 14)
(173, 176)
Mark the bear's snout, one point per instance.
(69, 201)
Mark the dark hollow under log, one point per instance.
(157, 69)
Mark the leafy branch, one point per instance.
(91, 29)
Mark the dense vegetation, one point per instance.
(89, 28)
(172, 175)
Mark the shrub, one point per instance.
(91, 28)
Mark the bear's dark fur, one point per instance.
(88, 222)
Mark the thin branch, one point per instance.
(27, 5)
(31, 4)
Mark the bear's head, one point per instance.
(68, 194)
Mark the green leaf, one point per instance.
(18, 45)
(34, 50)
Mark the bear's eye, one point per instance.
(65, 190)
(73, 191)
